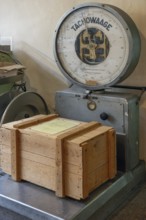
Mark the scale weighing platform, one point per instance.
(96, 46)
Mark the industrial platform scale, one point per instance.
(96, 47)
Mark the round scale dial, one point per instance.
(96, 45)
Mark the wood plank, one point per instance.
(15, 156)
(96, 132)
(78, 131)
(5, 136)
(6, 162)
(73, 185)
(60, 168)
(111, 143)
(31, 122)
(37, 158)
(60, 183)
(88, 135)
(38, 173)
(94, 156)
(96, 153)
(97, 177)
(90, 131)
(84, 173)
(71, 168)
(41, 145)
(6, 149)
(10, 125)
(73, 154)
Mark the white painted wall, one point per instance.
(31, 24)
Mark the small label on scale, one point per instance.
(92, 20)
(91, 83)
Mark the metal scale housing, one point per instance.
(116, 109)
(101, 102)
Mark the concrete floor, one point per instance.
(133, 209)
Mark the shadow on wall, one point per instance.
(41, 75)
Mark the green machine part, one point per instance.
(5, 88)
(15, 102)
(6, 59)
(7, 91)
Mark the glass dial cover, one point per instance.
(96, 45)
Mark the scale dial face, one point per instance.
(94, 46)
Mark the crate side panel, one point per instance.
(73, 185)
(6, 162)
(38, 144)
(97, 177)
(96, 153)
(37, 158)
(5, 136)
(6, 149)
(38, 173)
(74, 169)
(73, 154)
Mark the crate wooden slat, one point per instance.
(71, 162)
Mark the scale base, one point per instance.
(39, 203)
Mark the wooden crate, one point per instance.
(72, 159)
